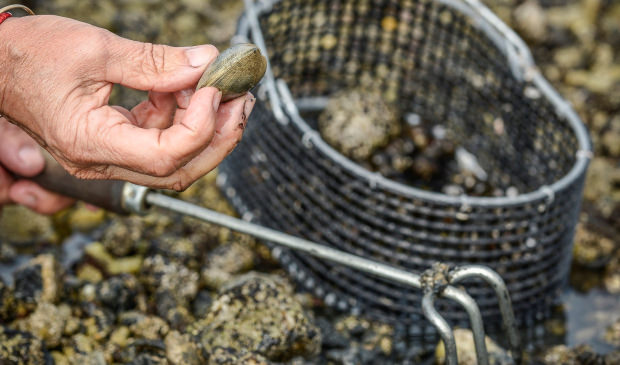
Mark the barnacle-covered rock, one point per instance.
(150, 328)
(230, 356)
(160, 274)
(582, 354)
(20, 225)
(591, 249)
(7, 252)
(39, 280)
(373, 336)
(7, 302)
(98, 322)
(78, 346)
(179, 249)
(357, 122)
(224, 262)
(124, 236)
(180, 349)
(611, 277)
(612, 334)
(91, 358)
(119, 293)
(258, 313)
(142, 351)
(466, 349)
(22, 348)
(47, 322)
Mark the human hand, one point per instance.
(20, 154)
(56, 82)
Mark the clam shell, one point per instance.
(235, 71)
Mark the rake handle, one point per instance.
(106, 194)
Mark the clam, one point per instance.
(235, 71)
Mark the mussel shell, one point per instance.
(235, 71)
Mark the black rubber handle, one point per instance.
(106, 194)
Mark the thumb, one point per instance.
(18, 152)
(156, 67)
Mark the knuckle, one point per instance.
(182, 181)
(163, 167)
(154, 58)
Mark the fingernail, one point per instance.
(216, 101)
(30, 156)
(200, 55)
(250, 100)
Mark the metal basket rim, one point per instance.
(521, 63)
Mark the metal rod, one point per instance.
(287, 240)
(496, 282)
(445, 332)
(475, 318)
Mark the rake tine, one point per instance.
(505, 305)
(436, 281)
(428, 308)
(475, 318)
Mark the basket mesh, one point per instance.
(433, 62)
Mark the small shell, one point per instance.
(235, 71)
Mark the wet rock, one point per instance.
(179, 249)
(89, 273)
(39, 280)
(224, 262)
(98, 322)
(202, 304)
(601, 188)
(612, 334)
(84, 218)
(582, 354)
(7, 252)
(150, 328)
(161, 275)
(530, 20)
(110, 264)
(611, 138)
(18, 225)
(181, 350)
(47, 322)
(258, 313)
(591, 249)
(230, 356)
(142, 351)
(123, 236)
(119, 336)
(7, 302)
(91, 358)
(466, 350)
(330, 338)
(357, 122)
(611, 277)
(119, 293)
(22, 348)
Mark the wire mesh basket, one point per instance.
(450, 62)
